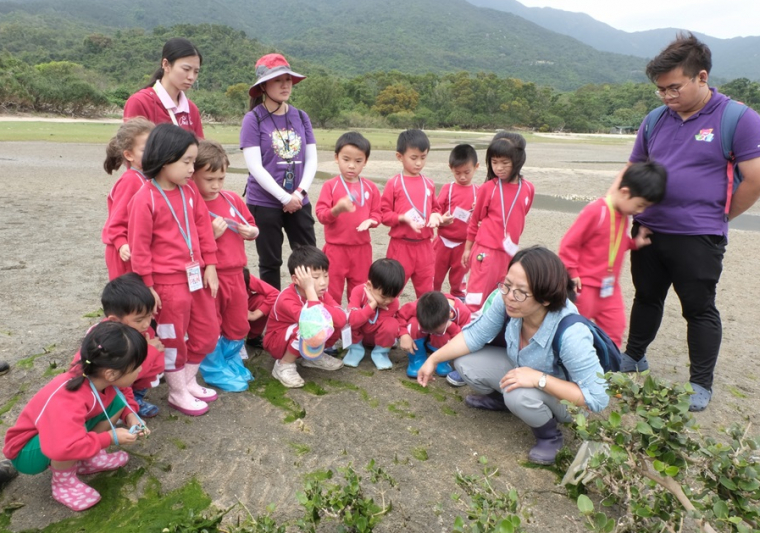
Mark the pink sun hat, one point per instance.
(269, 67)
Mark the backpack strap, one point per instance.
(650, 123)
(564, 323)
(728, 123)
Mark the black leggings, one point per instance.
(299, 227)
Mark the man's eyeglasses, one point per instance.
(671, 92)
(517, 294)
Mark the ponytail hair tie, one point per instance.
(100, 347)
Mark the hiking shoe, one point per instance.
(455, 380)
(326, 362)
(287, 374)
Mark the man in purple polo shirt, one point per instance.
(690, 225)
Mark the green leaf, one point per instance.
(730, 485)
(585, 505)
(672, 471)
(644, 428)
(615, 419)
(505, 526)
(720, 509)
(659, 466)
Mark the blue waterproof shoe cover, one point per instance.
(455, 380)
(217, 372)
(233, 357)
(381, 359)
(355, 355)
(416, 359)
(700, 399)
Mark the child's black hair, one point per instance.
(166, 144)
(387, 276)
(509, 145)
(433, 310)
(646, 180)
(125, 295)
(412, 139)
(462, 154)
(355, 139)
(307, 256)
(109, 345)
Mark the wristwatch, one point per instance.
(542, 382)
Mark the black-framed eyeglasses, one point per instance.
(671, 92)
(517, 294)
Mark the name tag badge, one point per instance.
(608, 287)
(462, 214)
(232, 225)
(415, 217)
(509, 247)
(194, 278)
(345, 336)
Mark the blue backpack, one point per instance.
(728, 122)
(606, 350)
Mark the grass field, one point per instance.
(101, 133)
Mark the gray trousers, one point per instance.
(482, 371)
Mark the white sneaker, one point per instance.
(287, 374)
(326, 362)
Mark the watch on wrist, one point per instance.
(542, 382)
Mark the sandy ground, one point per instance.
(52, 206)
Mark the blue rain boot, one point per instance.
(442, 369)
(231, 350)
(217, 372)
(147, 409)
(380, 358)
(416, 359)
(355, 355)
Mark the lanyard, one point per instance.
(105, 413)
(501, 197)
(185, 235)
(474, 195)
(361, 187)
(614, 240)
(234, 209)
(422, 213)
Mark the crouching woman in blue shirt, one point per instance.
(518, 373)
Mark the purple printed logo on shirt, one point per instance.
(705, 135)
(286, 143)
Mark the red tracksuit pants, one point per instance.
(116, 267)
(449, 260)
(382, 333)
(608, 313)
(417, 258)
(232, 304)
(488, 268)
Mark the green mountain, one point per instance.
(352, 37)
(732, 58)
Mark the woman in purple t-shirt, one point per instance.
(281, 154)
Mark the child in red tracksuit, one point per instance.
(409, 207)
(308, 266)
(69, 423)
(457, 201)
(594, 246)
(498, 219)
(348, 207)
(126, 148)
(174, 251)
(372, 314)
(433, 319)
(127, 300)
(261, 299)
(233, 224)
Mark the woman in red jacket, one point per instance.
(163, 99)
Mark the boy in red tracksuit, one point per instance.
(436, 318)
(372, 314)
(594, 246)
(308, 267)
(348, 207)
(457, 201)
(409, 207)
(261, 299)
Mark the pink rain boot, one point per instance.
(68, 490)
(102, 462)
(179, 397)
(202, 393)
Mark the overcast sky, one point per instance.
(724, 18)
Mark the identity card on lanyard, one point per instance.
(459, 213)
(193, 268)
(351, 195)
(414, 214)
(232, 224)
(608, 281)
(509, 246)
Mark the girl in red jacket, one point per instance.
(498, 219)
(126, 148)
(68, 425)
(174, 251)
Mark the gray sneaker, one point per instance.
(287, 374)
(326, 362)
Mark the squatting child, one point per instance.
(372, 314)
(409, 207)
(457, 201)
(594, 247)
(348, 207)
(261, 299)
(308, 266)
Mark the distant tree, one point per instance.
(396, 98)
(743, 90)
(321, 96)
